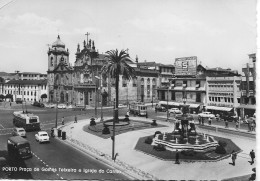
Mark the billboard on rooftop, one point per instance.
(186, 65)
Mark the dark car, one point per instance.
(160, 108)
(38, 104)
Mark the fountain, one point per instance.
(186, 136)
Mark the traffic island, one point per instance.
(105, 129)
(188, 155)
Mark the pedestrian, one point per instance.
(127, 113)
(217, 117)
(76, 120)
(146, 115)
(237, 124)
(209, 121)
(226, 122)
(253, 125)
(252, 155)
(199, 119)
(248, 123)
(10, 104)
(177, 157)
(62, 120)
(233, 157)
(202, 120)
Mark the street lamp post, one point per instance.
(101, 115)
(167, 104)
(56, 123)
(96, 101)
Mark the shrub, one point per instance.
(154, 123)
(222, 143)
(188, 152)
(148, 140)
(220, 150)
(106, 130)
(157, 132)
(92, 123)
(159, 147)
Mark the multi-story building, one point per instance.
(191, 84)
(223, 93)
(30, 76)
(28, 90)
(248, 87)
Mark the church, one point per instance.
(83, 84)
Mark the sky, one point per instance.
(221, 33)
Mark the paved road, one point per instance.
(57, 160)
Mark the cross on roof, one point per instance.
(87, 35)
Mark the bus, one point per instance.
(26, 120)
(137, 108)
(18, 148)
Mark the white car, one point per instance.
(50, 105)
(19, 132)
(61, 106)
(206, 115)
(175, 111)
(69, 107)
(42, 136)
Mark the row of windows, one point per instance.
(221, 99)
(22, 92)
(26, 87)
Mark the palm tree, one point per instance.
(117, 66)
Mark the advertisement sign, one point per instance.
(186, 65)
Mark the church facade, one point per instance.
(83, 84)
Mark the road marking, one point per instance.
(47, 165)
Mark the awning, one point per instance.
(194, 105)
(170, 103)
(247, 106)
(219, 108)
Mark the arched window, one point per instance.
(51, 61)
(153, 86)
(124, 81)
(134, 81)
(148, 87)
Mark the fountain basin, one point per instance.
(174, 142)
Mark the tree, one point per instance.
(117, 66)
(9, 96)
(2, 96)
(43, 96)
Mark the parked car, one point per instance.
(69, 106)
(160, 108)
(19, 132)
(61, 106)
(206, 115)
(42, 136)
(175, 111)
(50, 105)
(38, 104)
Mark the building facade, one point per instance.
(223, 93)
(248, 88)
(28, 90)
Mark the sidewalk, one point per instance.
(166, 170)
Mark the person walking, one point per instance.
(76, 119)
(253, 125)
(226, 123)
(177, 157)
(62, 120)
(237, 124)
(209, 121)
(233, 157)
(199, 119)
(252, 155)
